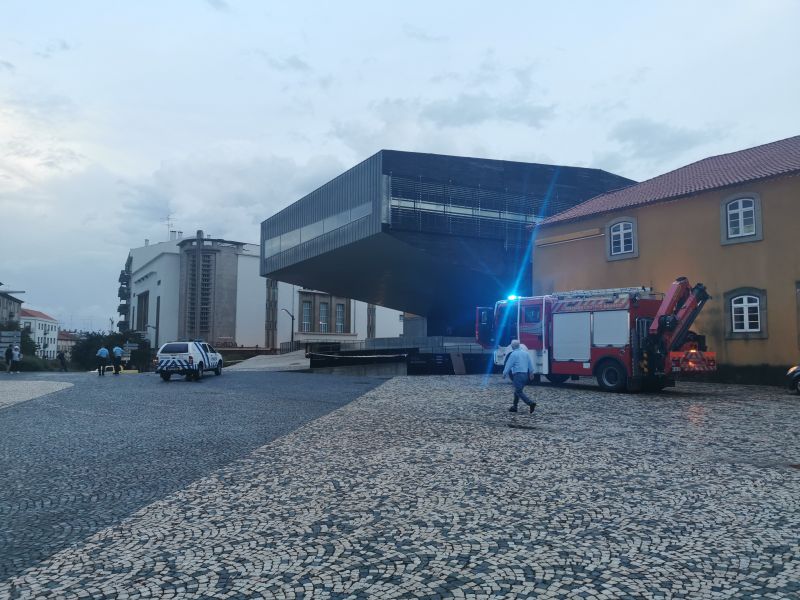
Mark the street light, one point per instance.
(292, 331)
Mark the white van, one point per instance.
(190, 359)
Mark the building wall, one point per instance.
(388, 322)
(683, 238)
(251, 297)
(9, 308)
(44, 334)
(158, 278)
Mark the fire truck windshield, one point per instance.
(505, 323)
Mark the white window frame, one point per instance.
(306, 322)
(740, 306)
(619, 232)
(340, 312)
(736, 208)
(324, 317)
(621, 229)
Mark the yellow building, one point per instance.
(730, 221)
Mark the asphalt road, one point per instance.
(81, 459)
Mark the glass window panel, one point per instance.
(290, 239)
(361, 210)
(306, 315)
(272, 246)
(339, 318)
(323, 317)
(309, 232)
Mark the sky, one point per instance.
(219, 113)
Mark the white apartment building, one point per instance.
(43, 329)
(194, 287)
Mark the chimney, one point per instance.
(173, 235)
(146, 242)
(200, 235)
(180, 235)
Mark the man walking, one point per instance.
(9, 352)
(519, 368)
(116, 352)
(62, 360)
(102, 360)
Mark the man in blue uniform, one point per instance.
(116, 358)
(519, 367)
(102, 359)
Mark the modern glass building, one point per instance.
(429, 234)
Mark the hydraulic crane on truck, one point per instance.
(629, 338)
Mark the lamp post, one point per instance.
(292, 331)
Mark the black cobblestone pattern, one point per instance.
(79, 460)
(420, 489)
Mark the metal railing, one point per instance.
(423, 345)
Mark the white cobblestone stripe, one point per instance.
(14, 392)
(421, 489)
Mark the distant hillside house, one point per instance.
(9, 308)
(728, 221)
(66, 342)
(43, 329)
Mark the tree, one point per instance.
(85, 350)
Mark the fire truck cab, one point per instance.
(628, 338)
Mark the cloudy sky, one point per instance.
(221, 112)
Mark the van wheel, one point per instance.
(611, 376)
(166, 376)
(218, 370)
(558, 379)
(198, 374)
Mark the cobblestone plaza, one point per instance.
(427, 487)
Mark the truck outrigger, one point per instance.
(628, 338)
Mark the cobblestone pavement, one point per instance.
(12, 392)
(81, 459)
(427, 487)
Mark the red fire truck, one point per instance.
(628, 338)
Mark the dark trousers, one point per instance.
(117, 364)
(63, 365)
(101, 365)
(520, 380)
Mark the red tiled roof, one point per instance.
(68, 335)
(35, 314)
(762, 162)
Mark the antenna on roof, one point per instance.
(168, 222)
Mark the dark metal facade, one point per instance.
(429, 234)
(354, 189)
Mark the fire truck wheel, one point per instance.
(557, 378)
(611, 376)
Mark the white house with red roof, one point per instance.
(43, 329)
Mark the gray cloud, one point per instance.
(219, 5)
(7, 66)
(53, 48)
(41, 108)
(290, 63)
(473, 109)
(646, 139)
(415, 33)
(47, 154)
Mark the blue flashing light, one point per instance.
(512, 297)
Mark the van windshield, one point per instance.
(505, 323)
(175, 348)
